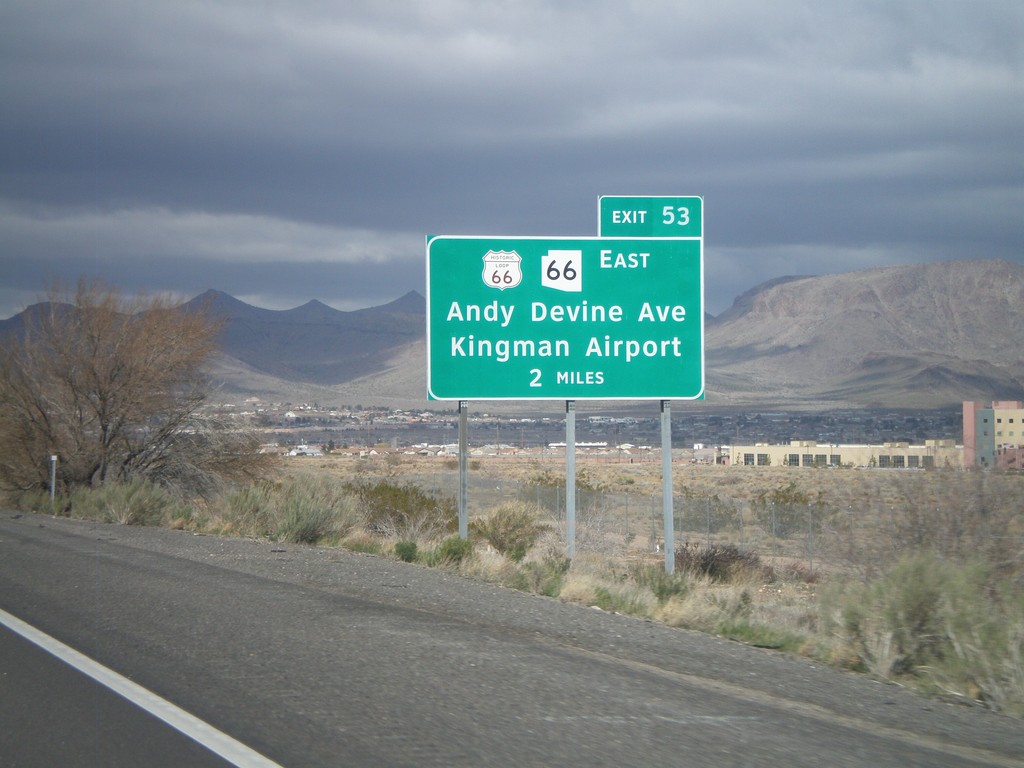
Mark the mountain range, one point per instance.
(314, 343)
(916, 336)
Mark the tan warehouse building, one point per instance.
(808, 453)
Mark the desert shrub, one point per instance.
(511, 529)
(37, 501)
(958, 627)
(313, 509)
(982, 617)
(891, 626)
(663, 586)
(406, 551)
(251, 509)
(402, 510)
(451, 551)
(761, 635)
(542, 577)
(306, 510)
(303, 521)
(796, 571)
(546, 490)
(593, 581)
(359, 540)
(138, 502)
(626, 599)
(782, 511)
(720, 562)
(708, 606)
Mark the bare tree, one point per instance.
(113, 387)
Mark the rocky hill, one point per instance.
(922, 335)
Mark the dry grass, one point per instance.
(823, 585)
(845, 527)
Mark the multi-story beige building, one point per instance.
(808, 453)
(994, 434)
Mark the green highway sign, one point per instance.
(600, 318)
(634, 216)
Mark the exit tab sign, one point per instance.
(635, 216)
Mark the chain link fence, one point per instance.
(955, 513)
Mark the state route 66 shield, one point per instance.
(501, 269)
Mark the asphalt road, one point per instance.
(317, 657)
(55, 716)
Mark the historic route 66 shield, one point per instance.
(501, 269)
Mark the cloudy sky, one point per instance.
(285, 151)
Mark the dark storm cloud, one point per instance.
(255, 148)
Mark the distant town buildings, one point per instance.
(994, 434)
(305, 450)
(993, 439)
(809, 453)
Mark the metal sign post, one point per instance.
(666, 486)
(570, 477)
(463, 471)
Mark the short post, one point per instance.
(810, 538)
(570, 477)
(707, 503)
(53, 479)
(463, 471)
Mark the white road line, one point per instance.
(205, 734)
